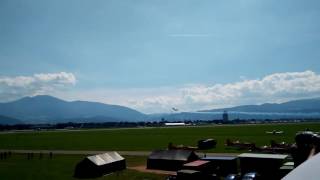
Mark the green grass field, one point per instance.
(149, 138)
(61, 167)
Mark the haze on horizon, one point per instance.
(154, 55)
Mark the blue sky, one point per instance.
(152, 54)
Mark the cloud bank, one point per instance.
(278, 87)
(20, 86)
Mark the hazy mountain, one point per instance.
(50, 109)
(297, 106)
(184, 116)
(9, 120)
(232, 115)
(301, 109)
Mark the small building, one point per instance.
(199, 165)
(286, 168)
(189, 174)
(171, 160)
(225, 116)
(175, 124)
(223, 165)
(99, 165)
(186, 174)
(267, 165)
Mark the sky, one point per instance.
(152, 55)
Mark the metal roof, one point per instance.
(181, 155)
(188, 171)
(175, 124)
(219, 158)
(266, 156)
(105, 158)
(196, 163)
(289, 164)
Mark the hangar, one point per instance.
(171, 160)
(99, 165)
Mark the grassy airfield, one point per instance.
(147, 139)
(144, 139)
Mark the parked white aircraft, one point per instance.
(274, 132)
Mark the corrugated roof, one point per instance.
(196, 163)
(267, 156)
(105, 158)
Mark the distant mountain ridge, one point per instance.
(296, 106)
(48, 109)
(9, 121)
(43, 108)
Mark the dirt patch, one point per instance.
(145, 170)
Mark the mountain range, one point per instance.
(48, 109)
(296, 106)
(9, 120)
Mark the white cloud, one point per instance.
(20, 86)
(277, 87)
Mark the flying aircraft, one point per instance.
(175, 109)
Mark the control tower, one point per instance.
(225, 116)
